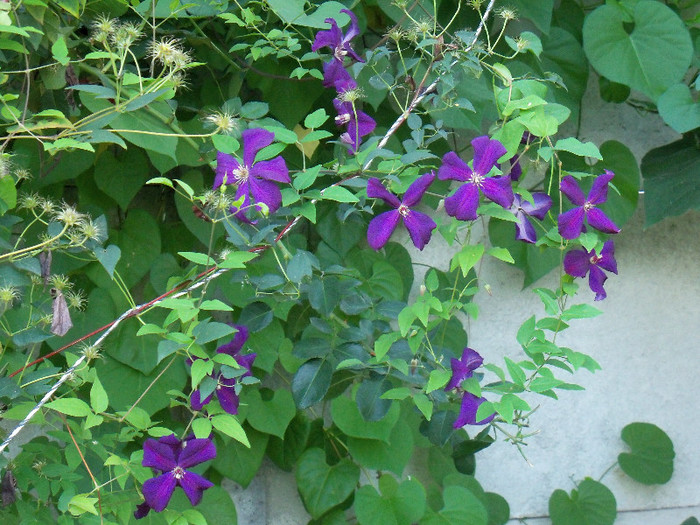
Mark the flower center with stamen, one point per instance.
(178, 472)
(587, 206)
(340, 53)
(595, 259)
(342, 119)
(403, 210)
(240, 174)
(477, 179)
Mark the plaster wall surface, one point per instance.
(646, 343)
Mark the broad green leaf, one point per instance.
(98, 396)
(59, 50)
(315, 119)
(670, 180)
(198, 258)
(322, 487)
(399, 503)
(311, 382)
(393, 456)
(649, 53)
(239, 463)
(8, 194)
(229, 425)
(580, 311)
(591, 503)
(139, 240)
(82, 503)
(678, 108)
(108, 257)
(70, 406)
(339, 194)
(467, 257)
(461, 507)
(540, 12)
(650, 460)
(271, 415)
(347, 417)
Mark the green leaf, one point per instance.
(437, 379)
(98, 396)
(237, 260)
(501, 254)
(123, 175)
(649, 52)
(651, 458)
(323, 487)
(540, 12)
(239, 463)
(398, 503)
(108, 257)
(271, 415)
(393, 456)
(311, 382)
(339, 194)
(467, 257)
(678, 108)
(580, 311)
(139, 240)
(347, 417)
(670, 180)
(198, 258)
(82, 503)
(461, 507)
(581, 149)
(8, 194)
(202, 428)
(70, 406)
(324, 294)
(59, 50)
(229, 425)
(316, 119)
(317, 19)
(591, 503)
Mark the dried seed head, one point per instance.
(102, 28)
(395, 34)
(68, 215)
(424, 26)
(8, 294)
(125, 35)
(351, 95)
(223, 121)
(90, 230)
(30, 201)
(92, 352)
(60, 282)
(76, 300)
(476, 4)
(22, 174)
(164, 50)
(507, 14)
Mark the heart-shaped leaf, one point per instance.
(651, 458)
(123, 176)
(273, 415)
(591, 503)
(397, 504)
(347, 416)
(323, 487)
(108, 258)
(461, 508)
(311, 382)
(678, 109)
(649, 52)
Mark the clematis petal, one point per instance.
(194, 486)
(420, 227)
(376, 190)
(236, 344)
(253, 141)
(542, 204)
(464, 367)
(468, 409)
(516, 170)
(358, 128)
(601, 222)
(267, 192)
(454, 168)
(381, 227)
(524, 230)
(577, 263)
(498, 190)
(572, 190)
(246, 361)
(142, 510)
(463, 204)
(196, 400)
(225, 164)
(228, 398)
(599, 190)
(353, 30)
(607, 257)
(571, 223)
(273, 169)
(196, 451)
(159, 455)
(158, 491)
(417, 189)
(486, 154)
(596, 279)
(328, 37)
(336, 76)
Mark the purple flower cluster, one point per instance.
(579, 263)
(462, 369)
(252, 179)
(357, 124)
(172, 457)
(464, 202)
(226, 387)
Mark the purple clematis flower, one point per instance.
(578, 263)
(172, 457)
(359, 123)
(468, 409)
(522, 209)
(226, 387)
(256, 179)
(419, 225)
(336, 76)
(334, 39)
(464, 367)
(571, 222)
(463, 204)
